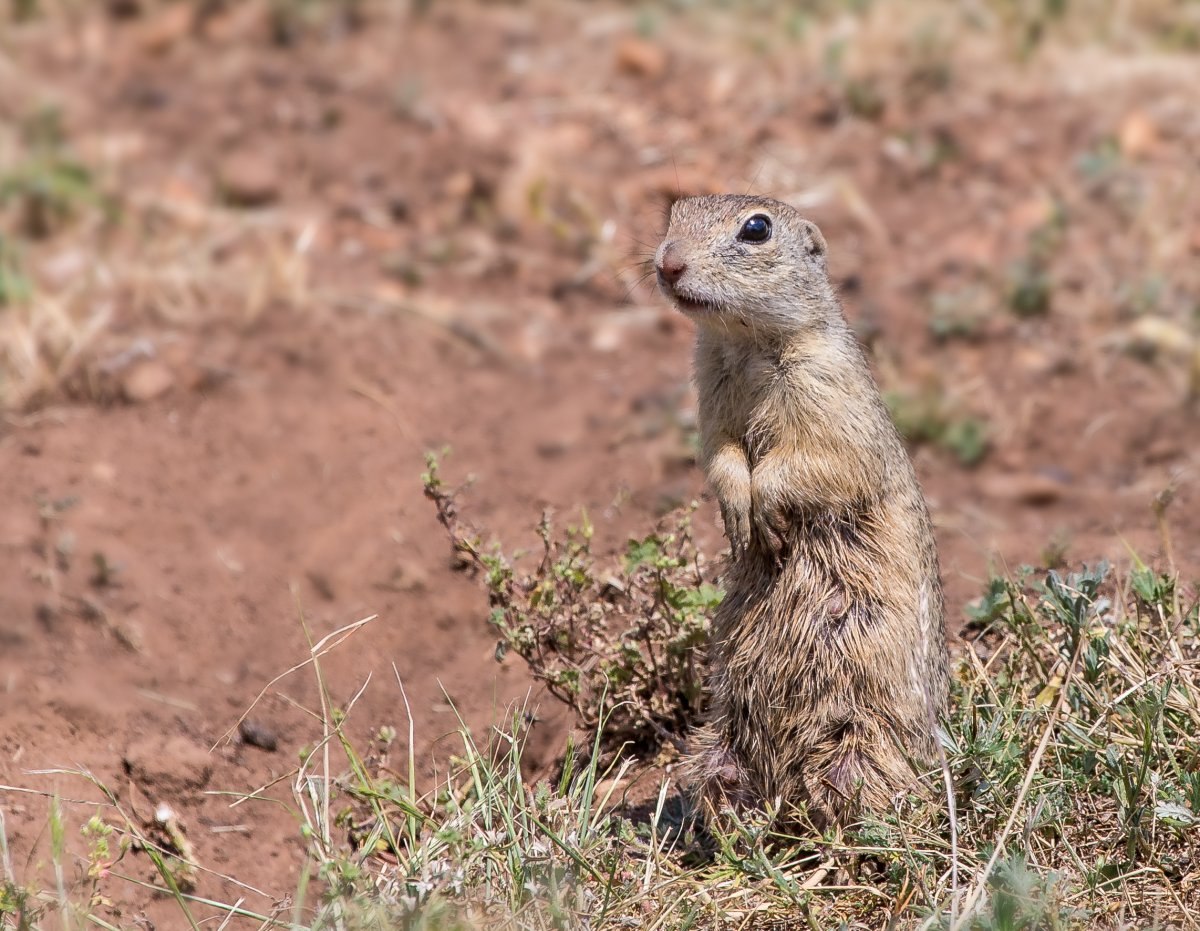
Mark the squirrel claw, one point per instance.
(770, 531)
(737, 530)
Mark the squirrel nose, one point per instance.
(671, 264)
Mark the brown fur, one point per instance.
(828, 654)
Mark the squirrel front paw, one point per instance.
(729, 475)
(769, 529)
(736, 516)
(770, 513)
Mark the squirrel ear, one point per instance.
(816, 242)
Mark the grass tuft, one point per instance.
(1076, 783)
(926, 416)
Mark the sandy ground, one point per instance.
(424, 231)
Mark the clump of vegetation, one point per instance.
(43, 188)
(1100, 675)
(14, 284)
(291, 19)
(926, 417)
(23, 10)
(1029, 285)
(48, 186)
(621, 646)
(929, 62)
(960, 313)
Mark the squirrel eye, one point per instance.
(756, 229)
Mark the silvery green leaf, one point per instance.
(1175, 814)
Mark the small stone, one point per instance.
(614, 330)
(971, 248)
(66, 266)
(1138, 135)
(641, 58)
(47, 614)
(126, 9)
(405, 578)
(167, 28)
(1032, 489)
(146, 380)
(224, 22)
(1163, 450)
(721, 85)
(459, 185)
(249, 179)
(257, 734)
(553, 449)
(534, 340)
(607, 337)
(1034, 359)
(1150, 336)
(186, 201)
(610, 791)
(322, 584)
(1032, 214)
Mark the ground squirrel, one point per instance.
(828, 659)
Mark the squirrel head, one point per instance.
(745, 263)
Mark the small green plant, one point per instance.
(1054, 553)
(1099, 163)
(929, 62)
(1144, 296)
(925, 417)
(25, 10)
(967, 439)
(15, 287)
(620, 644)
(1028, 22)
(291, 19)
(864, 98)
(959, 314)
(18, 910)
(1029, 287)
(648, 23)
(49, 186)
(1029, 283)
(1021, 898)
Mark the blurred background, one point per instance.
(258, 257)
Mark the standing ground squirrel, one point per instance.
(828, 658)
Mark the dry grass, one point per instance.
(56, 340)
(85, 254)
(1071, 753)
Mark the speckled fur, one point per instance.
(828, 654)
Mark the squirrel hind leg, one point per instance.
(852, 774)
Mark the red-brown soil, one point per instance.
(478, 185)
